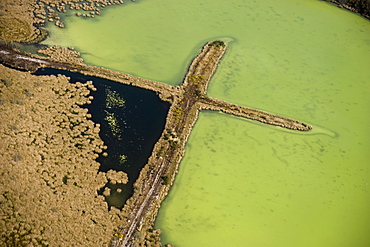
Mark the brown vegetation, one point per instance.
(62, 54)
(17, 22)
(49, 176)
(20, 19)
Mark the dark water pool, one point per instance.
(131, 121)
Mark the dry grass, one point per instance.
(48, 174)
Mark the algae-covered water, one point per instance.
(242, 183)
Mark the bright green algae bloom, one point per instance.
(243, 183)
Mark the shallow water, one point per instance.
(243, 183)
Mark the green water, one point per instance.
(243, 183)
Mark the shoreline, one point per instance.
(361, 7)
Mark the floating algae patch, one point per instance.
(131, 121)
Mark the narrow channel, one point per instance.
(131, 121)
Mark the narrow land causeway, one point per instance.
(186, 100)
(158, 175)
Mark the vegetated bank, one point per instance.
(358, 6)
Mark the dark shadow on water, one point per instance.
(131, 121)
